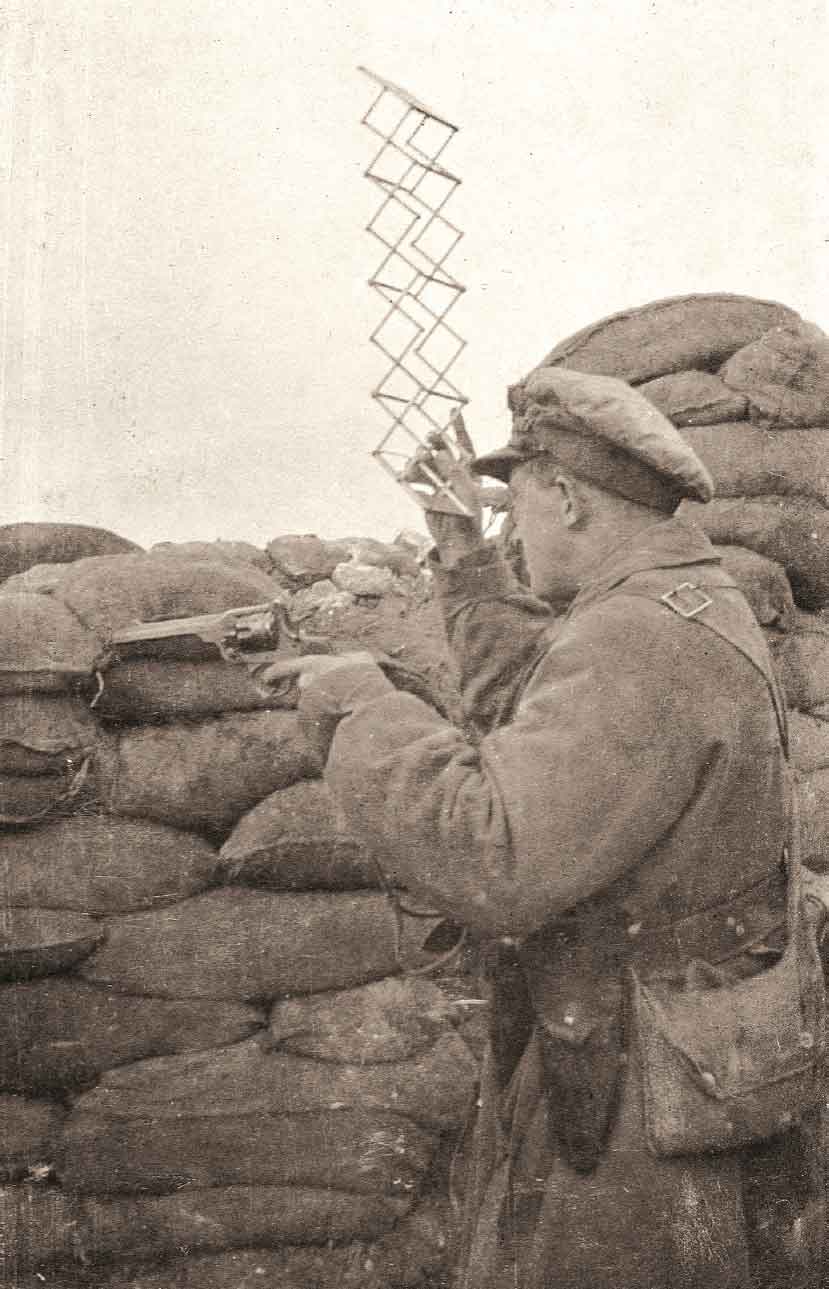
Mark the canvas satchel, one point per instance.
(738, 1062)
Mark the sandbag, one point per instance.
(248, 944)
(204, 776)
(22, 545)
(813, 796)
(112, 592)
(227, 552)
(228, 1217)
(792, 531)
(40, 579)
(64, 736)
(42, 645)
(801, 661)
(38, 1225)
(292, 841)
(305, 558)
(45, 1227)
(58, 724)
(695, 398)
(61, 1033)
(252, 1078)
(287, 1268)
(96, 864)
(370, 1153)
(746, 461)
(412, 1255)
(29, 1136)
(44, 942)
(691, 331)
(784, 374)
(149, 690)
(394, 555)
(31, 799)
(389, 1020)
(762, 582)
(808, 742)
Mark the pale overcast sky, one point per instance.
(185, 334)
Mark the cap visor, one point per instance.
(498, 465)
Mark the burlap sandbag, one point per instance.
(143, 691)
(411, 1256)
(40, 579)
(762, 582)
(801, 660)
(204, 775)
(695, 398)
(49, 1227)
(227, 552)
(22, 545)
(302, 559)
(42, 645)
(287, 1268)
(38, 1225)
(792, 531)
(784, 374)
(29, 1136)
(746, 461)
(813, 795)
(809, 742)
(292, 841)
(388, 1020)
(370, 1153)
(690, 331)
(113, 592)
(62, 1033)
(62, 733)
(251, 1078)
(100, 864)
(241, 943)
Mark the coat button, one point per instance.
(708, 1079)
(634, 928)
(807, 1039)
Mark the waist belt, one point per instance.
(739, 925)
(714, 935)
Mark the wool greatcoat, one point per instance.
(626, 774)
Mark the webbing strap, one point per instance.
(673, 602)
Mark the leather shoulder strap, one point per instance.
(718, 605)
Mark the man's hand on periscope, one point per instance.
(454, 534)
(330, 687)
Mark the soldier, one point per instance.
(620, 817)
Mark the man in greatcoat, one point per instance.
(622, 804)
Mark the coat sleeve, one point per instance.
(593, 770)
(495, 632)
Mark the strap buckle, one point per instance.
(687, 600)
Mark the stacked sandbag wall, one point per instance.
(218, 1059)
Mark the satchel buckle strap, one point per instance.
(687, 600)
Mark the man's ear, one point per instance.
(572, 507)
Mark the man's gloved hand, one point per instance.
(330, 687)
(455, 534)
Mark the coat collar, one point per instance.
(670, 544)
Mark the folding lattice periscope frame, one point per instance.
(416, 393)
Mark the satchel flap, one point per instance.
(738, 1036)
